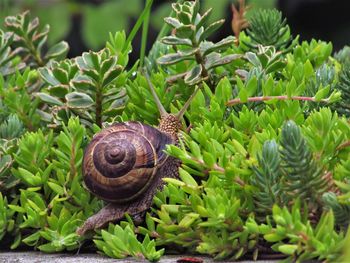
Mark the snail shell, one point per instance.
(121, 161)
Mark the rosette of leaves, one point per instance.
(29, 40)
(87, 87)
(265, 61)
(189, 41)
(267, 28)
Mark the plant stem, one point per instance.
(33, 51)
(98, 106)
(200, 60)
(137, 24)
(144, 34)
(343, 145)
(267, 98)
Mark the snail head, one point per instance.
(171, 123)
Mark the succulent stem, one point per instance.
(98, 117)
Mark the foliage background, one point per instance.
(73, 20)
(272, 138)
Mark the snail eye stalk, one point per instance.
(160, 106)
(154, 94)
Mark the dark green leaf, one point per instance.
(48, 77)
(49, 99)
(222, 61)
(170, 59)
(172, 40)
(58, 51)
(79, 100)
(186, 31)
(211, 29)
(194, 75)
(172, 22)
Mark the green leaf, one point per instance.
(222, 44)
(288, 249)
(204, 18)
(172, 40)
(56, 188)
(322, 93)
(194, 76)
(187, 178)
(222, 61)
(49, 99)
(209, 159)
(252, 86)
(291, 88)
(79, 100)
(48, 77)
(185, 31)
(58, 51)
(243, 95)
(253, 58)
(172, 22)
(170, 59)
(211, 29)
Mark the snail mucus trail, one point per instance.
(124, 165)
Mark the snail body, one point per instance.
(125, 164)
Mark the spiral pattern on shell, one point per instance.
(121, 161)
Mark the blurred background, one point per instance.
(85, 24)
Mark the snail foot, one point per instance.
(113, 213)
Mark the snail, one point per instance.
(124, 165)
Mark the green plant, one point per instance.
(267, 28)
(121, 242)
(264, 148)
(31, 40)
(295, 236)
(189, 43)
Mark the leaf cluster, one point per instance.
(264, 149)
(121, 242)
(189, 41)
(295, 236)
(268, 28)
(30, 39)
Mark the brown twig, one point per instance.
(267, 98)
(343, 145)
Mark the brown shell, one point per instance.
(121, 161)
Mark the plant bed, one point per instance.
(264, 145)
